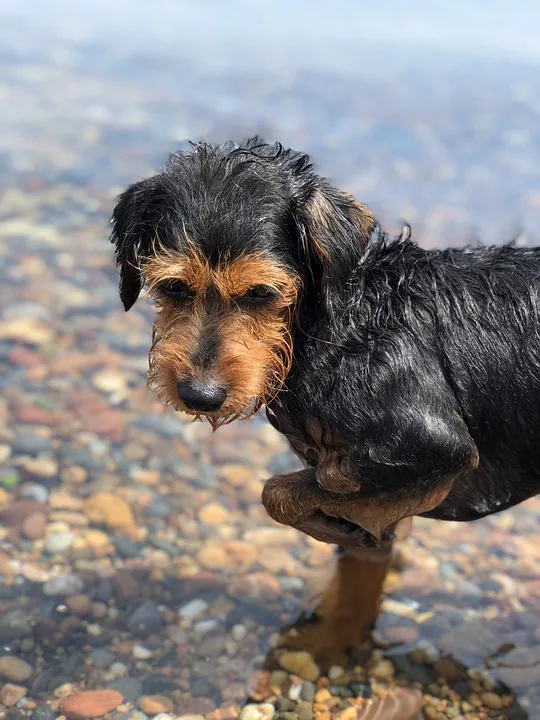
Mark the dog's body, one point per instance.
(427, 384)
(408, 380)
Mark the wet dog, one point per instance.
(408, 380)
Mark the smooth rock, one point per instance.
(145, 620)
(15, 668)
(264, 711)
(90, 704)
(11, 694)
(109, 509)
(155, 704)
(34, 526)
(62, 585)
(300, 663)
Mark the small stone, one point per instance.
(323, 695)
(141, 653)
(16, 513)
(239, 633)
(492, 701)
(264, 711)
(193, 609)
(278, 679)
(349, 713)
(145, 620)
(9, 479)
(90, 704)
(300, 663)
(155, 704)
(190, 717)
(308, 691)
(214, 514)
(79, 605)
(15, 668)
(62, 585)
(34, 574)
(383, 670)
(96, 539)
(109, 382)
(400, 635)
(335, 672)
(34, 526)
(109, 509)
(43, 713)
(59, 543)
(129, 687)
(11, 694)
(99, 610)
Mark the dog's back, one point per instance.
(431, 368)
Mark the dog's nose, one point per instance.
(201, 396)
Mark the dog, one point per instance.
(407, 380)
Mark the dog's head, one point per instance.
(229, 240)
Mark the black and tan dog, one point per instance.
(408, 380)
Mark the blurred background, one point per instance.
(135, 558)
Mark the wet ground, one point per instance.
(136, 560)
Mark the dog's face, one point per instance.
(228, 240)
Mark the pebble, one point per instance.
(34, 526)
(11, 694)
(193, 609)
(492, 701)
(96, 539)
(18, 511)
(15, 668)
(90, 704)
(383, 670)
(43, 712)
(110, 510)
(62, 585)
(26, 443)
(102, 658)
(58, 543)
(155, 704)
(79, 605)
(214, 514)
(36, 492)
(145, 620)
(264, 711)
(300, 663)
(16, 624)
(129, 687)
(239, 633)
(141, 653)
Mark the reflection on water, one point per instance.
(135, 556)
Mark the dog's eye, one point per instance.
(176, 290)
(258, 295)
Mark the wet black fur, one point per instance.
(433, 357)
(415, 361)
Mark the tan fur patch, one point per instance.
(255, 350)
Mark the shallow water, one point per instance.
(178, 585)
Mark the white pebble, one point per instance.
(193, 609)
(205, 626)
(94, 629)
(295, 691)
(118, 669)
(59, 543)
(141, 653)
(264, 711)
(335, 672)
(239, 633)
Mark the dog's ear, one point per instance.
(334, 229)
(134, 225)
